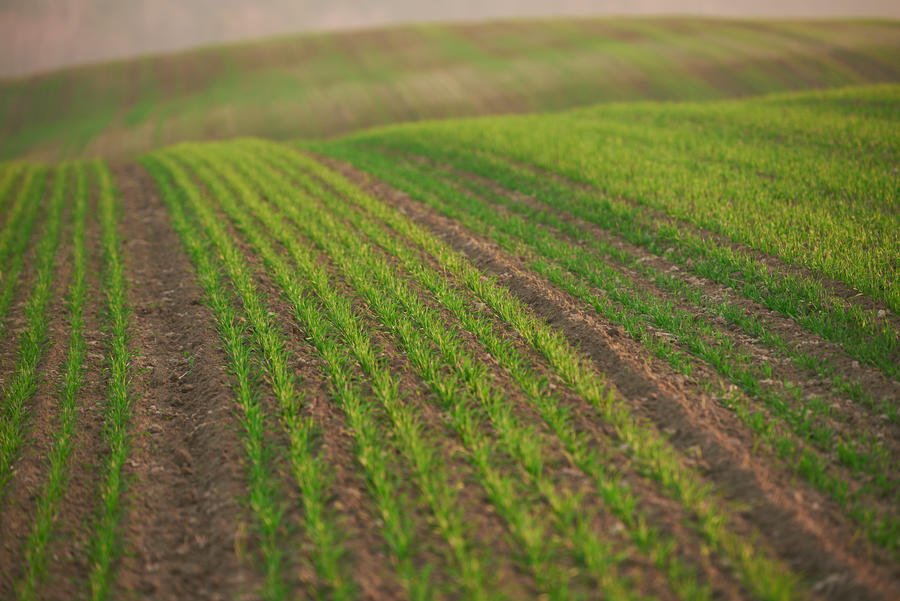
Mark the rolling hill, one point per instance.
(321, 85)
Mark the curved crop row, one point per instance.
(105, 546)
(592, 551)
(20, 227)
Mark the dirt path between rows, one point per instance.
(186, 472)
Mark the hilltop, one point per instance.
(322, 85)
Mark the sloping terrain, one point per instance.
(647, 350)
(320, 85)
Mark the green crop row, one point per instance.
(565, 216)
(337, 354)
(589, 460)
(23, 382)
(587, 166)
(15, 237)
(9, 175)
(574, 229)
(470, 384)
(105, 544)
(592, 551)
(55, 486)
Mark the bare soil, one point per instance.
(185, 472)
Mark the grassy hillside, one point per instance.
(326, 84)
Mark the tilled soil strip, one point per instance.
(825, 552)
(183, 507)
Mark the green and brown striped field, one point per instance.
(629, 351)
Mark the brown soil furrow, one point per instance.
(849, 417)
(17, 507)
(806, 530)
(186, 471)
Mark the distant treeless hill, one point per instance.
(39, 35)
(319, 85)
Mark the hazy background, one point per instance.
(39, 35)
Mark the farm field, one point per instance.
(320, 85)
(627, 351)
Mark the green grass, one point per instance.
(23, 382)
(55, 486)
(318, 85)
(105, 545)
